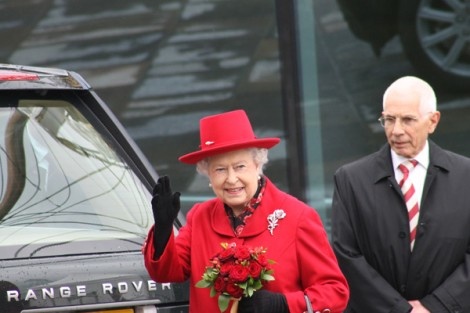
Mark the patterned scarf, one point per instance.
(238, 222)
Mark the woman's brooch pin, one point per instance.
(273, 218)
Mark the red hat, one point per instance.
(226, 132)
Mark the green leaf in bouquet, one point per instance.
(250, 291)
(213, 292)
(203, 283)
(243, 285)
(223, 302)
(267, 277)
(257, 285)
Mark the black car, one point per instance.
(435, 34)
(74, 202)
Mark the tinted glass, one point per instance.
(161, 66)
(63, 188)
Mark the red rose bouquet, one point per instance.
(235, 272)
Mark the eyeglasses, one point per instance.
(405, 121)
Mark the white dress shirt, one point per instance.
(418, 174)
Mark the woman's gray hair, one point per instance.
(260, 156)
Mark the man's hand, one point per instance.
(418, 307)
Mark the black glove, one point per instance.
(165, 207)
(264, 301)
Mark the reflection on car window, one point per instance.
(61, 185)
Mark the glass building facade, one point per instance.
(302, 70)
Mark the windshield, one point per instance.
(63, 188)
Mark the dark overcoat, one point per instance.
(371, 235)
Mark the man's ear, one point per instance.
(434, 119)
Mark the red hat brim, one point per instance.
(194, 157)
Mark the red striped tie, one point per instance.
(411, 198)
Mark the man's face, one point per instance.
(406, 127)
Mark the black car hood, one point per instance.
(82, 282)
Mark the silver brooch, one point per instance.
(273, 218)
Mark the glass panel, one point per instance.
(162, 65)
(62, 184)
(352, 51)
(311, 108)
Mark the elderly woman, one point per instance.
(248, 210)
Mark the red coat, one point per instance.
(299, 245)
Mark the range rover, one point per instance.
(75, 196)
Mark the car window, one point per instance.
(64, 189)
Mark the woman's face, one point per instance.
(234, 177)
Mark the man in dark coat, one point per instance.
(388, 269)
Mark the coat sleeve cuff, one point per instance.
(402, 307)
(433, 304)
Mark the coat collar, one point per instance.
(256, 223)
(438, 158)
(383, 160)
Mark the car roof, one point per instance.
(33, 77)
